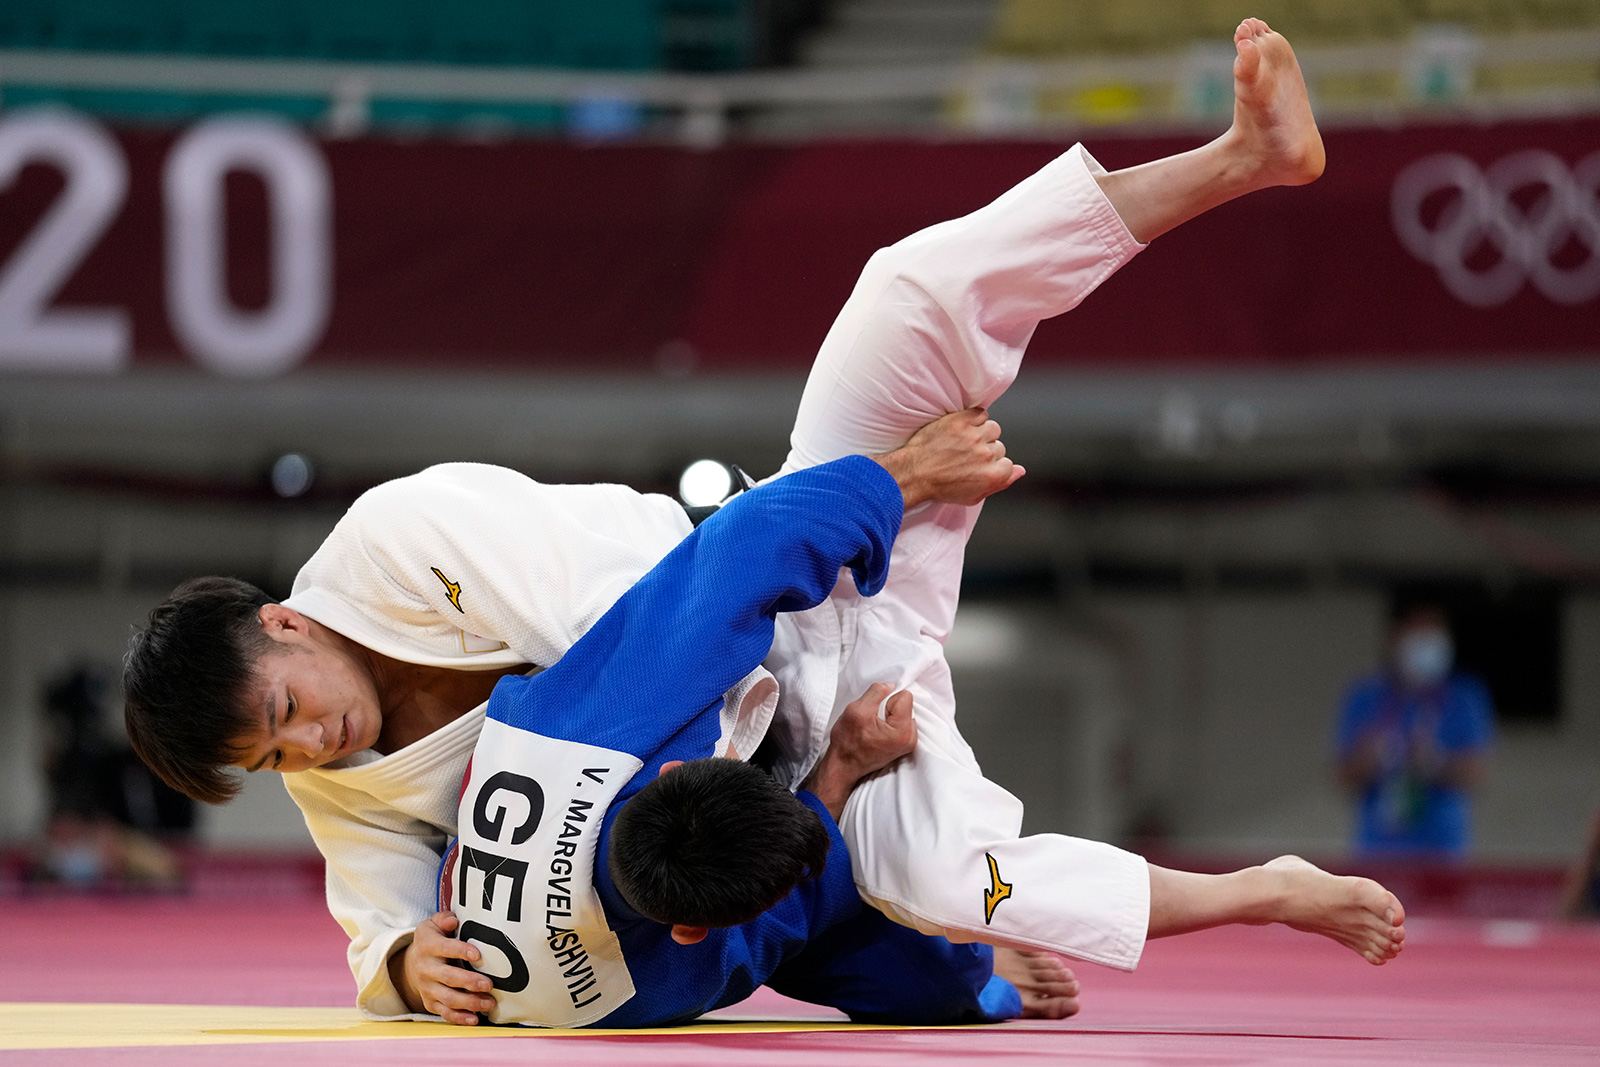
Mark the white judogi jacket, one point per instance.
(478, 568)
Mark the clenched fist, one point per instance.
(957, 459)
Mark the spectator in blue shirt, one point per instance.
(1413, 742)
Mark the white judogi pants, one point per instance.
(938, 322)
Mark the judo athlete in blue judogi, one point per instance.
(564, 751)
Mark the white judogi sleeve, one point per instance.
(382, 825)
(470, 566)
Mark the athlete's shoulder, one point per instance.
(443, 478)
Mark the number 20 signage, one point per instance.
(220, 336)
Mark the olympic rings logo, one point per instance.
(1483, 210)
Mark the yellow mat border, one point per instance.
(59, 1026)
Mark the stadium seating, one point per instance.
(1083, 27)
(634, 35)
(1444, 63)
(614, 35)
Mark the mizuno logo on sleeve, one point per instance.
(451, 589)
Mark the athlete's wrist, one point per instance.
(403, 980)
(831, 784)
(903, 469)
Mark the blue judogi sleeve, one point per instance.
(669, 648)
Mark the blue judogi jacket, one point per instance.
(647, 681)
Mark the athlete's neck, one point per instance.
(415, 700)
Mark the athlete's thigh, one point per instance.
(893, 362)
(939, 321)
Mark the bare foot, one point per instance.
(1356, 912)
(1271, 110)
(1049, 990)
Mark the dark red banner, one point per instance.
(1455, 241)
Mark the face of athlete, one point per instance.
(312, 702)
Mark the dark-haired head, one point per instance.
(713, 843)
(186, 677)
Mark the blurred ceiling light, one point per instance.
(705, 482)
(1180, 429)
(984, 638)
(292, 474)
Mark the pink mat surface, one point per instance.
(1465, 992)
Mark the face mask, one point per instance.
(1424, 657)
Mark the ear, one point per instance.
(283, 624)
(689, 935)
(665, 767)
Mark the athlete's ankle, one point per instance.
(1263, 895)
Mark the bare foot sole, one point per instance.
(1049, 989)
(1356, 912)
(1271, 109)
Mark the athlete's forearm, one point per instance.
(831, 784)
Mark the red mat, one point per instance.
(1465, 992)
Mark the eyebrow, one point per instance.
(270, 706)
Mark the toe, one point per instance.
(1061, 1007)
(1248, 60)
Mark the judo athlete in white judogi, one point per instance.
(470, 568)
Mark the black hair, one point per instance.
(713, 843)
(185, 678)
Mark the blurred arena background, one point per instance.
(258, 257)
